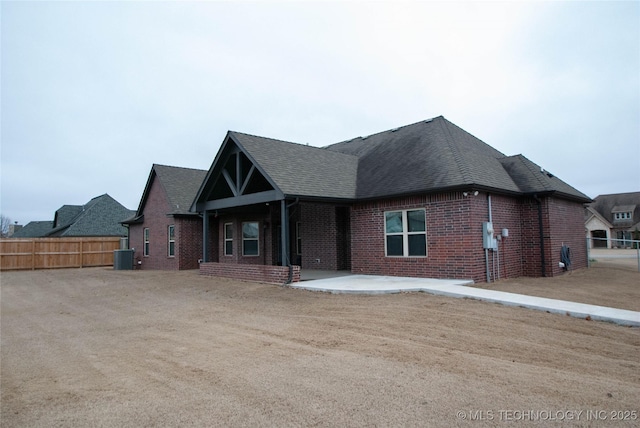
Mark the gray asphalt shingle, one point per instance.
(181, 186)
(301, 170)
(428, 156)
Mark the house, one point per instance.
(163, 232)
(422, 200)
(101, 216)
(33, 229)
(611, 221)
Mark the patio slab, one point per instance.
(370, 284)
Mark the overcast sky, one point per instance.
(94, 93)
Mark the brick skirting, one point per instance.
(260, 273)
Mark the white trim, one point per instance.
(171, 240)
(226, 239)
(405, 234)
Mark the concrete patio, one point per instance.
(345, 282)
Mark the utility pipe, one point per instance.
(486, 250)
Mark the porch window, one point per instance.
(228, 239)
(250, 238)
(405, 233)
(145, 238)
(171, 245)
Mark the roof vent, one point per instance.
(394, 129)
(428, 120)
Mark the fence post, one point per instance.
(33, 254)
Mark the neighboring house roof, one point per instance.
(101, 216)
(607, 205)
(34, 229)
(179, 184)
(428, 156)
(590, 214)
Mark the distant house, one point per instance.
(422, 200)
(101, 216)
(611, 221)
(163, 232)
(33, 229)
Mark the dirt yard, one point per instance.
(98, 347)
(610, 282)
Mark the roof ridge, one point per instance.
(177, 167)
(272, 139)
(305, 146)
(382, 132)
(457, 156)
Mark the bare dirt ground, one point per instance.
(98, 347)
(613, 282)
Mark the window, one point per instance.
(622, 216)
(145, 234)
(298, 240)
(172, 240)
(250, 237)
(405, 233)
(228, 239)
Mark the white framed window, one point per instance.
(405, 233)
(228, 239)
(298, 239)
(145, 239)
(250, 238)
(622, 216)
(171, 244)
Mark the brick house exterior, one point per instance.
(417, 201)
(163, 213)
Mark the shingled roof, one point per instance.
(300, 170)
(34, 229)
(608, 205)
(101, 216)
(425, 157)
(180, 186)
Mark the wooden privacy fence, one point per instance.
(49, 253)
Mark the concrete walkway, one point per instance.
(369, 284)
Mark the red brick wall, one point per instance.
(188, 241)
(531, 247)
(188, 235)
(261, 273)
(319, 236)
(266, 228)
(506, 262)
(566, 228)
(454, 237)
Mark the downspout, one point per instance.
(540, 226)
(486, 250)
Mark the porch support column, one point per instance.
(205, 236)
(284, 232)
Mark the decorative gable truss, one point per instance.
(237, 181)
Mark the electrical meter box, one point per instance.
(489, 241)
